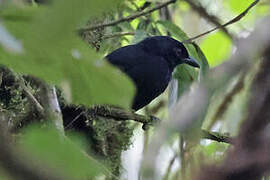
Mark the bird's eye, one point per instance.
(178, 52)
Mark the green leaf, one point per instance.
(256, 12)
(185, 76)
(139, 36)
(59, 153)
(193, 49)
(217, 48)
(174, 30)
(239, 6)
(184, 73)
(54, 52)
(204, 66)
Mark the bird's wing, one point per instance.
(151, 74)
(151, 79)
(127, 57)
(140, 65)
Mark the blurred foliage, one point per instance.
(60, 153)
(222, 46)
(42, 40)
(53, 51)
(185, 74)
(239, 6)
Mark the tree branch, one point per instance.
(213, 19)
(26, 90)
(48, 101)
(117, 114)
(169, 168)
(249, 159)
(128, 18)
(193, 104)
(52, 108)
(223, 106)
(118, 34)
(234, 20)
(120, 114)
(30, 96)
(216, 137)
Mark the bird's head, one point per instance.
(172, 50)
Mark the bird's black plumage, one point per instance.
(150, 64)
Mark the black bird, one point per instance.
(150, 64)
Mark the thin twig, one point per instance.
(27, 92)
(29, 95)
(265, 4)
(249, 159)
(75, 119)
(182, 157)
(128, 18)
(234, 20)
(49, 101)
(223, 106)
(155, 109)
(216, 137)
(193, 104)
(213, 19)
(169, 168)
(118, 34)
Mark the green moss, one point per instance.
(107, 138)
(13, 103)
(111, 138)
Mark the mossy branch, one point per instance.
(47, 106)
(120, 114)
(215, 136)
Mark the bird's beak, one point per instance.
(191, 61)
